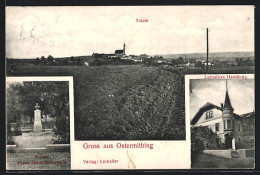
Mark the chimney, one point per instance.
(221, 104)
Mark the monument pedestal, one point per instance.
(37, 127)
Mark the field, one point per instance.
(127, 102)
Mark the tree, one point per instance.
(43, 59)
(37, 61)
(12, 108)
(50, 59)
(56, 97)
(72, 60)
(180, 60)
(198, 64)
(79, 62)
(149, 61)
(174, 62)
(202, 137)
(21, 99)
(65, 62)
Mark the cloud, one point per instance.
(241, 93)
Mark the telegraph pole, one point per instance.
(207, 50)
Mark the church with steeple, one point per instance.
(117, 54)
(120, 53)
(233, 131)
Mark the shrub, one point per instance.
(61, 132)
(10, 141)
(202, 137)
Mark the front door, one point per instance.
(228, 141)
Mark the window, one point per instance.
(229, 124)
(217, 126)
(239, 140)
(238, 127)
(224, 124)
(209, 115)
(244, 127)
(252, 128)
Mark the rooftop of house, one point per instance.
(209, 106)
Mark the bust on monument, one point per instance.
(37, 106)
(37, 126)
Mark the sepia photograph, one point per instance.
(128, 65)
(222, 115)
(37, 124)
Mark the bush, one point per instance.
(202, 137)
(61, 132)
(10, 141)
(17, 131)
(222, 146)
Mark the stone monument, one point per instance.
(37, 127)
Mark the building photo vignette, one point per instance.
(221, 108)
(38, 112)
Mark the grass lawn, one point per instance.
(204, 161)
(29, 161)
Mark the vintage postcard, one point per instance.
(221, 108)
(128, 65)
(38, 112)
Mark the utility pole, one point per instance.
(207, 50)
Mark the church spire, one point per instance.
(124, 49)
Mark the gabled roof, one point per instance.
(206, 107)
(227, 103)
(209, 106)
(248, 115)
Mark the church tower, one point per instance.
(124, 49)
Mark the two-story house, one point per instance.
(235, 131)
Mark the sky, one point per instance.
(74, 31)
(241, 93)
